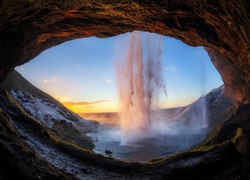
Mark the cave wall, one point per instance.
(29, 27)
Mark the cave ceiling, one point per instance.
(29, 27)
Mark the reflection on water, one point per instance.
(160, 146)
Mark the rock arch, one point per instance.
(29, 27)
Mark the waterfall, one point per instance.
(139, 83)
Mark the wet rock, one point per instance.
(108, 152)
(242, 144)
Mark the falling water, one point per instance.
(139, 82)
(203, 111)
(203, 98)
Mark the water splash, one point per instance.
(139, 81)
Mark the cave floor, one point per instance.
(31, 151)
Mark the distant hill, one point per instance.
(208, 110)
(113, 117)
(48, 110)
(212, 106)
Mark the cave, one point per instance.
(27, 28)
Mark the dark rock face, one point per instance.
(222, 27)
(29, 27)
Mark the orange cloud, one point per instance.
(80, 107)
(84, 103)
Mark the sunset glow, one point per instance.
(97, 106)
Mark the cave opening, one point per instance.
(30, 27)
(81, 75)
(222, 28)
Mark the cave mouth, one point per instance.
(180, 135)
(220, 27)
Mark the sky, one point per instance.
(81, 73)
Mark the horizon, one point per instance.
(81, 73)
(120, 111)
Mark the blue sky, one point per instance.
(83, 70)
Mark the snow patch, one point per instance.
(47, 112)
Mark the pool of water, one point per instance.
(158, 146)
